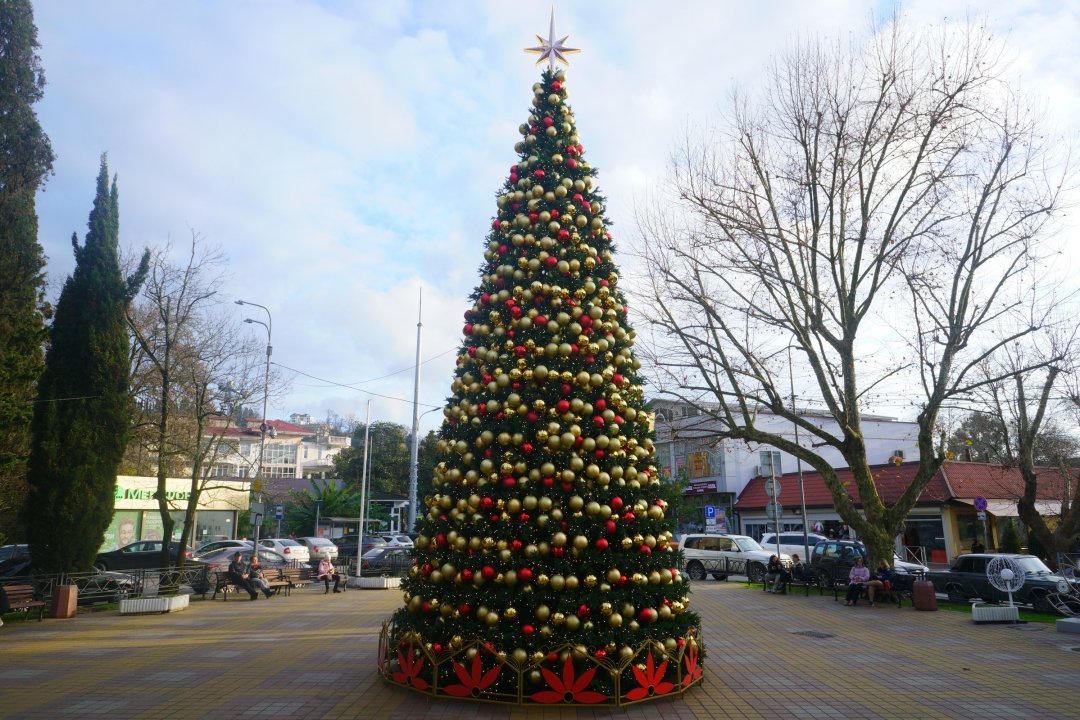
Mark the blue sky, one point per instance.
(344, 154)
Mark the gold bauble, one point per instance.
(534, 675)
(510, 613)
(590, 581)
(543, 612)
(573, 623)
(605, 609)
(615, 620)
(558, 619)
(542, 580)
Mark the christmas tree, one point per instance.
(544, 570)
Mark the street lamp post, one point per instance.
(363, 490)
(798, 464)
(264, 427)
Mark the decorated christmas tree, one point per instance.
(544, 570)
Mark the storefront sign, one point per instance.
(701, 487)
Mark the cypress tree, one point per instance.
(25, 162)
(83, 409)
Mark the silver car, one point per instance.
(320, 547)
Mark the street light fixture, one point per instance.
(264, 426)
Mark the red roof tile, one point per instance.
(955, 480)
(891, 481)
(998, 482)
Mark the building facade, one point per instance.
(292, 451)
(717, 470)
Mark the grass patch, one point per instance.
(1025, 614)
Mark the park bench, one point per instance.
(21, 598)
(835, 578)
(274, 577)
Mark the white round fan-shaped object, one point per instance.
(1005, 574)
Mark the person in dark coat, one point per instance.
(239, 574)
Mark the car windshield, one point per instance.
(747, 544)
(1033, 566)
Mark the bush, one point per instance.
(1010, 538)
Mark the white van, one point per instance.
(791, 542)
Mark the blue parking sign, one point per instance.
(710, 512)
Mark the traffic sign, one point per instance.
(980, 503)
(256, 510)
(774, 510)
(981, 514)
(710, 512)
(772, 488)
(279, 512)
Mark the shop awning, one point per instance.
(1007, 508)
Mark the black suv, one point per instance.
(832, 560)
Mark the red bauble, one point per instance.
(509, 481)
(437, 647)
(440, 540)
(617, 379)
(540, 320)
(527, 448)
(464, 608)
(564, 235)
(466, 574)
(548, 121)
(426, 607)
(552, 261)
(647, 615)
(532, 417)
(583, 611)
(599, 454)
(527, 629)
(645, 549)
(525, 574)
(571, 163)
(602, 544)
(566, 389)
(601, 653)
(598, 421)
(628, 516)
(427, 568)
(609, 527)
(562, 407)
(558, 551)
(488, 572)
(548, 481)
(467, 330)
(556, 85)
(616, 503)
(600, 404)
(515, 545)
(487, 503)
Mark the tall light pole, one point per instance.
(414, 467)
(414, 451)
(264, 427)
(798, 464)
(363, 489)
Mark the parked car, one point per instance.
(403, 541)
(966, 580)
(319, 548)
(385, 561)
(215, 545)
(9, 551)
(833, 558)
(287, 547)
(714, 554)
(792, 542)
(219, 562)
(347, 545)
(144, 554)
(94, 587)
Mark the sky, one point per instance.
(345, 154)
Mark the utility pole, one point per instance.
(415, 449)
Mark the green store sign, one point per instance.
(123, 493)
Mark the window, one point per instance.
(222, 470)
(280, 454)
(284, 471)
(898, 453)
(769, 463)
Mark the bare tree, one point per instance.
(881, 210)
(188, 358)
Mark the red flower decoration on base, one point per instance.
(473, 682)
(651, 680)
(568, 689)
(410, 671)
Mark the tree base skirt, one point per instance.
(562, 675)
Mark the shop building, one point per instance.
(717, 470)
(943, 523)
(136, 515)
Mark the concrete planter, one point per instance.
(142, 606)
(374, 583)
(995, 613)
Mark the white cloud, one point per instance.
(345, 153)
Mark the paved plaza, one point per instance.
(313, 656)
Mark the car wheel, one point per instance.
(824, 580)
(719, 576)
(955, 594)
(101, 567)
(756, 572)
(1040, 603)
(695, 570)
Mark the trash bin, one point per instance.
(923, 596)
(65, 601)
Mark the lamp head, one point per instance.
(248, 320)
(239, 302)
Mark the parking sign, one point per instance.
(710, 512)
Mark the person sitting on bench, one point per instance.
(857, 580)
(882, 581)
(327, 572)
(255, 575)
(799, 572)
(776, 577)
(238, 575)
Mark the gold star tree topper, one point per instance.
(552, 49)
